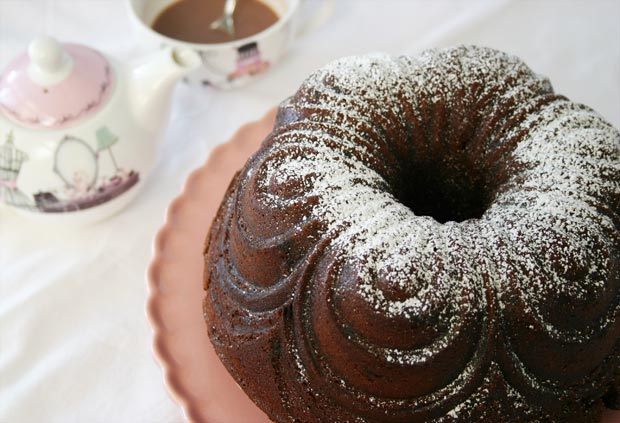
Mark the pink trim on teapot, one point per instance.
(83, 93)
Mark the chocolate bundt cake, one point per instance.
(423, 239)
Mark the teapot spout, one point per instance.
(152, 82)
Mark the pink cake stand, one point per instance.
(193, 373)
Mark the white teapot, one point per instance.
(79, 132)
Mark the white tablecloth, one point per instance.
(75, 345)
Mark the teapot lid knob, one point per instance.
(49, 62)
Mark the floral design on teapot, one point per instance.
(77, 165)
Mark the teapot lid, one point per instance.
(55, 85)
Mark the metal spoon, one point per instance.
(225, 22)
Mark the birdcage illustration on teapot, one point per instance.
(11, 161)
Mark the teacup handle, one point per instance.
(318, 18)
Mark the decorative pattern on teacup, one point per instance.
(249, 62)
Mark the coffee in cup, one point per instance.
(225, 63)
(187, 20)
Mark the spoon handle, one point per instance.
(229, 7)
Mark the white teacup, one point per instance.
(232, 63)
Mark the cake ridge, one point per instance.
(392, 308)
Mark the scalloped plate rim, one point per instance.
(160, 351)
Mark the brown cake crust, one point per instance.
(423, 239)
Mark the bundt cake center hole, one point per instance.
(445, 190)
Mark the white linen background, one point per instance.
(75, 345)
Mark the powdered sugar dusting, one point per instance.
(540, 263)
